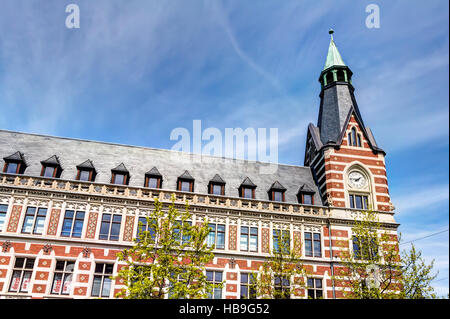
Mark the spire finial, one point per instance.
(331, 33)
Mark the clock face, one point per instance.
(357, 180)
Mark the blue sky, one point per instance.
(136, 70)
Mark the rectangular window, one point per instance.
(249, 238)
(185, 186)
(306, 198)
(217, 189)
(101, 286)
(214, 277)
(49, 171)
(313, 245)
(281, 237)
(110, 227)
(72, 224)
(20, 280)
(152, 182)
(34, 220)
(248, 290)
(277, 196)
(62, 278)
(84, 175)
(3, 211)
(362, 250)
(358, 201)
(216, 236)
(315, 290)
(282, 288)
(12, 168)
(185, 237)
(247, 192)
(119, 179)
(144, 226)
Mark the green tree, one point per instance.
(282, 274)
(168, 258)
(374, 268)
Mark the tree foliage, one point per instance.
(168, 258)
(374, 268)
(282, 274)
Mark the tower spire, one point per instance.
(333, 57)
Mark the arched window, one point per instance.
(340, 75)
(329, 77)
(354, 138)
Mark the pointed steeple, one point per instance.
(333, 57)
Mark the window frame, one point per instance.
(214, 281)
(64, 273)
(73, 222)
(314, 288)
(126, 178)
(248, 286)
(364, 200)
(248, 238)
(211, 188)
(103, 275)
(3, 214)
(22, 269)
(242, 192)
(301, 198)
(91, 176)
(216, 235)
(312, 241)
(180, 182)
(34, 224)
(158, 181)
(110, 224)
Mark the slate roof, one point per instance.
(86, 164)
(17, 156)
(138, 161)
(53, 160)
(217, 179)
(120, 168)
(153, 172)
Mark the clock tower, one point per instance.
(347, 164)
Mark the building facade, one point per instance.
(68, 206)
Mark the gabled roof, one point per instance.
(305, 189)
(17, 156)
(120, 168)
(186, 175)
(52, 161)
(217, 179)
(247, 182)
(153, 172)
(277, 186)
(86, 164)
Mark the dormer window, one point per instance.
(216, 186)
(185, 182)
(305, 195)
(120, 175)
(153, 178)
(51, 167)
(14, 164)
(354, 139)
(86, 171)
(247, 189)
(276, 192)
